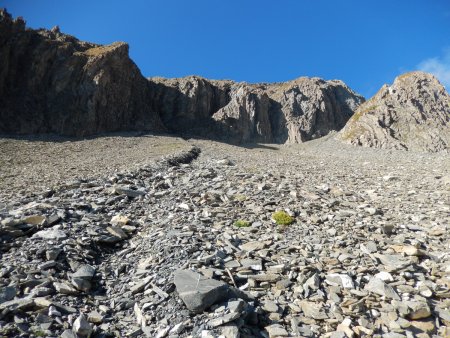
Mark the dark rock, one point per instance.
(53, 83)
(7, 293)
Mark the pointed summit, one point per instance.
(411, 114)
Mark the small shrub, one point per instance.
(39, 333)
(282, 218)
(241, 223)
(240, 198)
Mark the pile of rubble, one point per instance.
(188, 247)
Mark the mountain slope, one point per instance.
(411, 114)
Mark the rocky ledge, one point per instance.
(235, 242)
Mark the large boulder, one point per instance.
(53, 83)
(199, 293)
(411, 114)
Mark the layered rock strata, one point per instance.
(411, 114)
(53, 83)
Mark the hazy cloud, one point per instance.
(439, 67)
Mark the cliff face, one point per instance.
(53, 83)
(289, 112)
(187, 104)
(246, 117)
(308, 108)
(411, 114)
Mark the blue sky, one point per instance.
(363, 43)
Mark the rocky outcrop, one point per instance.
(53, 83)
(187, 104)
(246, 117)
(411, 114)
(290, 112)
(308, 108)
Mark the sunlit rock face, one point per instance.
(411, 114)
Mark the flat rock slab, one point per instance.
(51, 234)
(379, 287)
(198, 292)
(393, 262)
(253, 246)
(129, 192)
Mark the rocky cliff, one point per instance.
(308, 108)
(53, 83)
(288, 112)
(411, 114)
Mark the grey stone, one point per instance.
(85, 271)
(342, 280)
(270, 306)
(7, 293)
(198, 292)
(230, 331)
(81, 326)
(393, 262)
(81, 284)
(117, 231)
(65, 288)
(68, 334)
(276, 330)
(51, 234)
(379, 287)
(225, 319)
(129, 192)
(17, 304)
(253, 246)
(53, 253)
(177, 329)
(235, 305)
(418, 310)
(95, 317)
(313, 310)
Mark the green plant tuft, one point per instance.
(282, 218)
(241, 223)
(240, 198)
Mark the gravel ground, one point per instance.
(33, 164)
(154, 250)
